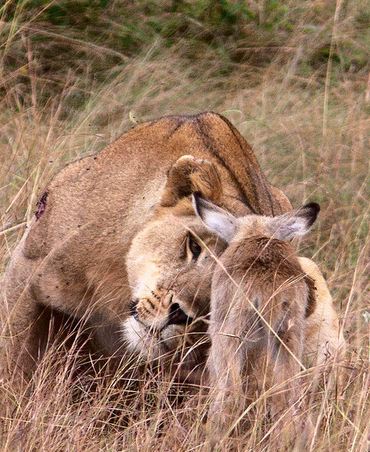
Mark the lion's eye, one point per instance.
(194, 247)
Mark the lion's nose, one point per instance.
(177, 316)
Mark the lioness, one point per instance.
(115, 241)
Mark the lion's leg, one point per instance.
(324, 345)
(20, 329)
(18, 346)
(21, 320)
(324, 341)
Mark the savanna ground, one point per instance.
(292, 76)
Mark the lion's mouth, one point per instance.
(176, 316)
(152, 341)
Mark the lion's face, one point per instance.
(170, 268)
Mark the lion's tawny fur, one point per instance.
(73, 255)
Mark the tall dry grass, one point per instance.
(309, 129)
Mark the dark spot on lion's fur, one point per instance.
(41, 206)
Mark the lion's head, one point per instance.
(170, 265)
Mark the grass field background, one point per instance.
(294, 79)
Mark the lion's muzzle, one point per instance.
(159, 311)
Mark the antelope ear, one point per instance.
(295, 223)
(215, 219)
(189, 175)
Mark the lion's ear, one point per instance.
(189, 175)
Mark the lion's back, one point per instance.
(119, 184)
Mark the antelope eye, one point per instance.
(194, 247)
